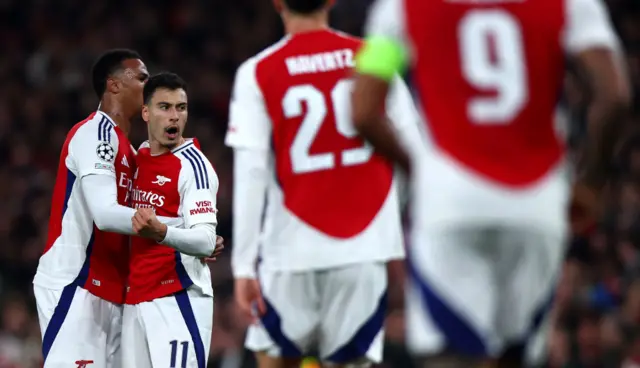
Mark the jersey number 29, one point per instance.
(492, 57)
(302, 161)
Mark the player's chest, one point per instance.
(125, 165)
(155, 185)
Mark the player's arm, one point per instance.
(406, 121)
(382, 57)
(198, 190)
(591, 40)
(249, 135)
(96, 172)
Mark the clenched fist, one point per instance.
(146, 224)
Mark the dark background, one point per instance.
(46, 52)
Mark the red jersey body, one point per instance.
(76, 251)
(488, 76)
(322, 167)
(489, 79)
(180, 183)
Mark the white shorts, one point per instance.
(337, 313)
(174, 331)
(478, 291)
(78, 328)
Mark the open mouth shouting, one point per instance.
(172, 132)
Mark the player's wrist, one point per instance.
(161, 234)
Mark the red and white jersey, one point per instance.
(330, 199)
(489, 74)
(180, 183)
(76, 251)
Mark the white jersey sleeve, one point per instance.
(198, 187)
(199, 241)
(588, 26)
(400, 106)
(406, 119)
(93, 149)
(251, 171)
(249, 122)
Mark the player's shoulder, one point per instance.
(194, 164)
(271, 52)
(587, 9)
(345, 37)
(191, 155)
(96, 127)
(246, 72)
(144, 146)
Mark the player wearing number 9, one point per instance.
(491, 196)
(332, 216)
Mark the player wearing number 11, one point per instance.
(332, 217)
(491, 195)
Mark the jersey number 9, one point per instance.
(492, 57)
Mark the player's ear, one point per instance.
(113, 85)
(145, 113)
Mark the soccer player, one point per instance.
(81, 277)
(169, 313)
(491, 195)
(332, 215)
(80, 282)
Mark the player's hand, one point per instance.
(219, 248)
(248, 295)
(146, 224)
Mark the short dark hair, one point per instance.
(107, 64)
(166, 80)
(305, 6)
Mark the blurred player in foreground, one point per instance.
(169, 313)
(491, 198)
(332, 217)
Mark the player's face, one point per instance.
(166, 115)
(133, 78)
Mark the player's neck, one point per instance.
(294, 23)
(156, 148)
(115, 113)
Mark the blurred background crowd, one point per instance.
(47, 48)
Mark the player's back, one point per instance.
(76, 250)
(489, 75)
(331, 192)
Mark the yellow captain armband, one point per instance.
(381, 57)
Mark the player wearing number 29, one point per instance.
(332, 217)
(168, 318)
(491, 197)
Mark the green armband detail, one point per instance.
(381, 57)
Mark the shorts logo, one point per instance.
(105, 152)
(83, 363)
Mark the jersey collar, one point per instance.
(107, 117)
(187, 143)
